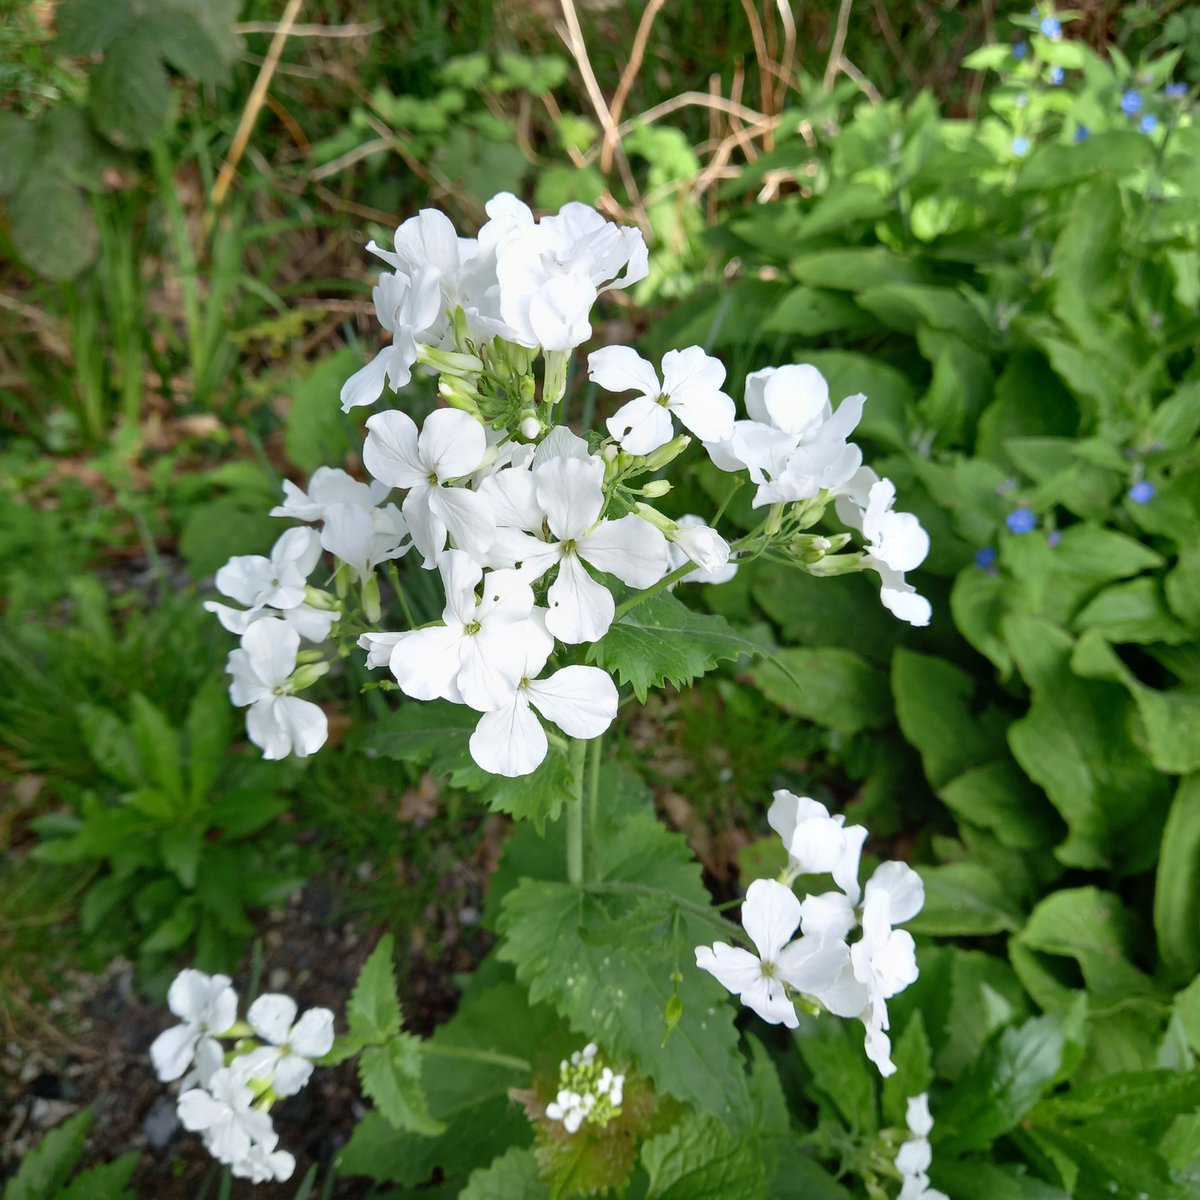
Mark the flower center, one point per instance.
(663, 399)
(472, 629)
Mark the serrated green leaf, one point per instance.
(912, 1057)
(187, 42)
(1128, 1096)
(828, 686)
(172, 932)
(374, 1009)
(434, 734)
(842, 1075)
(539, 796)
(105, 1182)
(46, 1168)
(513, 1176)
(67, 137)
(242, 812)
(699, 1159)
(85, 26)
(130, 96)
(663, 641)
(391, 1076)
(1177, 884)
(52, 225)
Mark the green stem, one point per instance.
(483, 1056)
(575, 814)
(593, 791)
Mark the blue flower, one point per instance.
(1175, 91)
(1082, 132)
(1052, 28)
(1053, 538)
(1056, 76)
(1020, 50)
(1142, 492)
(1131, 102)
(1021, 520)
(1020, 146)
(984, 557)
(1148, 124)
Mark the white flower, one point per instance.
(695, 541)
(570, 1108)
(817, 843)
(451, 445)
(262, 1163)
(690, 389)
(278, 581)
(207, 1006)
(916, 1155)
(278, 722)
(364, 537)
(312, 624)
(482, 642)
(569, 496)
(328, 485)
(224, 1115)
(287, 1060)
(770, 915)
(509, 740)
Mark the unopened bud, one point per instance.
(836, 564)
(656, 488)
(307, 675)
(657, 459)
(529, 428)
(812, 547)
(316, 598)
(370, 599)
(653, 517)
(450, 362)
(458, 393)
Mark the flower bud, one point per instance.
(657, 459)
(370, 599)
(529, 428)
(307, 675)
(656, 488)
(458, 393)
(315, 598)
(450, 362)
(653, 517)
(703, 545)
(812, 547)
(839, 564)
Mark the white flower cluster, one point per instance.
(916, 1155)
(848, 978)
(587, 1091)
(528, 524)
(226, 1096)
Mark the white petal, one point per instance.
(390, 451)
(622, 369)
(812, 965)
(379, 647)
(914, 1157)
(828, 915)
(570, 493)
(366, 385)
(770, 914)
(558, 312)
(770, 1003)
(426, 526)
(272, 646)
(845, 996)
(642, 425)
(305, 723)
(452, 443)
(692, 380)
(732, 967)
(917, 1117)
(221, 1011)
(426, 663)
(904, 887)
(796, 397)
(291, 1074)
(349, 535)
(189, 993)
(233, 620)
(228, 1142)
(581, 610)
(312, 1035)
(629, 548)
(467, 518)
(198, 1110)
(271, 1016)
(171, 1052)
(581, 701)
(460, 577)
(560, 442)
(509, 741)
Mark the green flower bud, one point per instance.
(656, 488)
(306, 676)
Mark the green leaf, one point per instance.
(1011, 1075)
(1107, 1164)
(17, 136)
(972, 1179)
(699, 1159)
(979, 602)
(513, 1176)
(1132, 612)
(912, 1057)
(191, 45)
(433, 734)
(158, 747)
(110, 743)
(181, 847)
(52, 225)
(85, 26)
(662, 641)
(1128, 1096)
(315, 430)
(998, 797)
(391, 1076)
(842, 1075)
(799, 1177)
(538, 796)
(1177, 884)
(853, 269)
(102, 897)
(374, 1009)
(1075, 743)
(889, 394)
(130, 97)
(244, 811)
(936, 712)
(46, 1168)
(1054, 165)
(813, 312)
(905, 306)
(106, 1182)
(831, 687)
(989, 58)
(172, 932)
(217, 529)
(209, 728)
(67, 137)
(965, 899)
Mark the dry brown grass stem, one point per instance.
(760, 52)
(834, 65)
(254, 103)
(336, 165)
(789, 52)
(636, 56)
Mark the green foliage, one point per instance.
(45, 1172)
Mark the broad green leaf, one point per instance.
(979, 602)
(1187, 1008)
(513, 1176)
(191, 45)
(374, 1009)
(67, 137)
(172, 932)
(1177, 884)
(1108, 1163)
(101, 898)
(51, 225)
(110, 743)
(829, 686)
(209, 728)
(158, 746)
(853, 269)
(85, 26)
(998, 797)
(434, 734)
(961, 387)
(538, 796)
(845, 203)
(964, 899)
(18, 137)
(1130, 1096)
(215, 530)
(1054, 165)
(1031, 401)
(181, 847)
(936, 712)
(699, 1159)
(813, 312)
(842, 1075)
(130, 97)
(105, 1182)
(315, 430)
(1075, 743)
(800, 1177)
(244, 811)
(1008, 1079)
(1182, 585)
(989, 58)
(46, 1168)
(1132, 612)
(662, 641)
(972, 1179)
(391, 1076)
(905, 306)
(914, 1070)
(1175, 423)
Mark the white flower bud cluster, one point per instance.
(916, 1155)
(588, 1091)
(850, 978)
(226, 1095)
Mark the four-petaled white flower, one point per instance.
(328, 485)
(287, 1059)
(690, 389)
(278, 722)
(207, 1006)
(770, 915)
(818, 844)
(449, 446)
(224, 1114)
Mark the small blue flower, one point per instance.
(1020, 50)
(1021, 520)
(1131, 102)
(1082, 132)
(985, 557)
(1056, 76)
(1148, 124)
(1142, 492)
(1020, 146)
(1052, 28)
(1175, 91)
(1053, 538)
